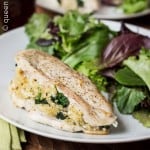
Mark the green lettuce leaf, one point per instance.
(140, 65)
(143, 116)
(77, 31)
(128, 98)
(134, 6)
(89, 47)
(35, 29)
(127, 77)
(79, 36)
(72, 25)
(91, 70)
(36, 26)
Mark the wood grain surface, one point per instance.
(35, 142)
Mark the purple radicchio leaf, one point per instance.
(54, 31)
(108, 72)
(44, 42)
(126, 44)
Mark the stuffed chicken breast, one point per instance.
(56, 95)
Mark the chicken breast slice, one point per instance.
(77, 87)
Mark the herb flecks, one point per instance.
(80, 3)
(40, 100)
(61, 115)
(60, 99)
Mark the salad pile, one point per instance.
(116, 62)
(134, 6)
(129, 6)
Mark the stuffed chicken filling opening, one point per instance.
(49, 101)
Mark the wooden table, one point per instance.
(35, 142)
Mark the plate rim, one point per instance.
(97, 14)
(57, 137)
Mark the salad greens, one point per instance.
(90, 48)
(134, 6)
(74, 38)
(127, 77)
(132, 94)
(128, 98)
(116, 62)
(140, 65)
(122, 46)
(143, 116)
(34, 29)
(36, 23)
(128, 6)
(91, 70)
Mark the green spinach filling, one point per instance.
(60, 99)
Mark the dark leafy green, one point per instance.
(60, 99)
(60, 115)
(40, 100)
(140, 65)
(127, 77)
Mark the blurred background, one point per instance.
(14, 13)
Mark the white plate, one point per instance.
(105, 12)
(129, 129)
